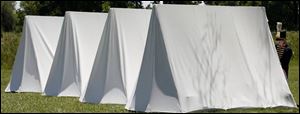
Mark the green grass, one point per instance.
(35, 102)
(9, 46)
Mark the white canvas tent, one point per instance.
(118, 60)
(76, 51)
(35, 53)
(203, 57)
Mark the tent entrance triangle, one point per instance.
(105, 84)
(114, 88)
(155, 76)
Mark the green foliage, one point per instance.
(20, 20)
(121, 4)
(293, 41)
(105, 6)
(118, 4)
(9, 46)
(135, 4)
(59, 8)
(114, 4)
(55, 8)
(283, 11)
(8, 16)
(286, 12)
(85, 6)
(30, 7)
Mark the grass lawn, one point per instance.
(35, 102)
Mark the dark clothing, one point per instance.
(285, 55)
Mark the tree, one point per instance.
(115, 4)
(135, 4)
(20, 19)
(59, 8)
(30, 7)
(121, 4)
(55, 8)
(105, 6)
(284, 11)
(8, 16)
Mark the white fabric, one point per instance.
(202, 57)
(76, 51)
(35, 53)
(118, 60)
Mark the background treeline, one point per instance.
(12, 20)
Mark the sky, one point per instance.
(145, 3)
(17, 5)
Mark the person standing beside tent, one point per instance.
(284, 51)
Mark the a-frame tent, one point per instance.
(118, 60)
(75, 54)
(35, 53)
(207, 57)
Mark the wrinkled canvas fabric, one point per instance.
(75, 54)
(35, 53)
(204, 57)
(119, 57)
